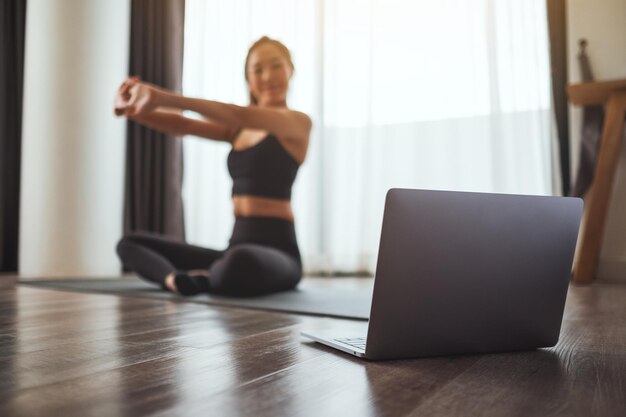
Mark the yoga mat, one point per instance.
(308, 298)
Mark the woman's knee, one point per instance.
(131, 241)
(243, 262)
(249, 270)
(134, 238)
(121, 246)
(124, 247)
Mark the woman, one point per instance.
(269, 143)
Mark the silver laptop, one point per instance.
(464, 273)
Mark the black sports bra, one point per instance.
(265, 169)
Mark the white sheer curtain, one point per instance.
(452, 95)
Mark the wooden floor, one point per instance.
(73, 354)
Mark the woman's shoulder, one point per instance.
(296, 115)
(302, 118)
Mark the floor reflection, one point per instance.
(467, 385)
(70, 354)
(149, 374)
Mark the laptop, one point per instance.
(466, 273)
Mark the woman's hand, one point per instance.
(122, 96)
(135, 98)
(143, 98)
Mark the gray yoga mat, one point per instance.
(308, 298)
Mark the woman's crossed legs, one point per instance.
(241, 270)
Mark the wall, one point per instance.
(603, 24)
(73, 147)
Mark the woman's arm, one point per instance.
(176, 124)
(285, 123)
(171, 122)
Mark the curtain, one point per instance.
(558, 59)
(13, 18)
(153, 183)
(450, 95)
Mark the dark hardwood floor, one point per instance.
(76, 354)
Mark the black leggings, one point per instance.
(262, 257)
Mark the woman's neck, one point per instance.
(280, 105)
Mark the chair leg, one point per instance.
(597, 204)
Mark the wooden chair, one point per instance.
(611, 94)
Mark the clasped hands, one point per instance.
(135, 98)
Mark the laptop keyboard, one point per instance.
(357, 342)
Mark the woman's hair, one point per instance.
(284, 51)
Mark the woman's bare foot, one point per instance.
(170, 282)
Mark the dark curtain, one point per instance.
(558, 63)
(13, 18)
(154, 171)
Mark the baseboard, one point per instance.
(612, 270)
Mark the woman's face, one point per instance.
(268, 75)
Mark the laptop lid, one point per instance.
(461, 272)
